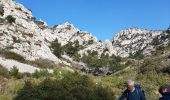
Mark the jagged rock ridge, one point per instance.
(132, 40)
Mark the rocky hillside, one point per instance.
(22, 34)
(133, 40)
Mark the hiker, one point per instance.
(133, 92)
(164, 90)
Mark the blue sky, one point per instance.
(103, 18)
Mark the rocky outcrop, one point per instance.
(24, 36)
(132, 40)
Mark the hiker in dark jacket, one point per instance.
(133, 92)
(165, 92)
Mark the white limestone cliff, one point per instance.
(32, 39)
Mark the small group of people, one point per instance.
(134, 92)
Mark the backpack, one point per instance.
(138, 89)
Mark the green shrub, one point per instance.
(10, 19)
(1, 34)
(149, 65)
(58, 74)
(14, 72)
(72, 48)
(77, 56)
(90, 42)
(94, 53)
(1, 10)
(129, 62)
(57, 49)
(138, 55)
(41, 73)
(92, 61)
(72, 87)
(116, 58)
(42, 63)
(112, 62)
(12, 55)
(39, 22)
(3, 71)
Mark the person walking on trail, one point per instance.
(164, 90)
(133, 92)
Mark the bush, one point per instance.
(72, 48)
(41, 73)
(42, 63)
(12, 55)
(58, 74)
(92, 61)
(10, 19)
(138, 55)
(112, 62)
(72, 87)
(3, 71)
(90, 42)
(77, 56)
(129, 62)
(1, 10)
(39, 22)
(14, 72)
(150, 65)
(57, 49)
(1, 34)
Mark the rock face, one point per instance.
(32, 39)
(24, 36)
(132, 40)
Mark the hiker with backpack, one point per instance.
(133, 92)
(164, 90)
